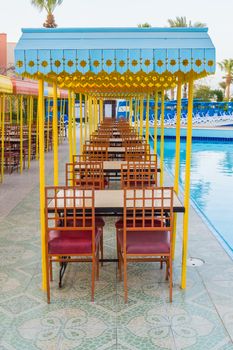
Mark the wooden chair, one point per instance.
(70, 232)
(95, 153)
(137, 153)
(88, 175)
(85, 174)
(139, 174)
(147, 230)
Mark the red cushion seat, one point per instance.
(119, 223)
(146, 242)
(70, 242)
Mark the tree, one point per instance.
(182, 22)
(227, 67)
(49, 6)
(144, 25)
(203, 92)
(218, 93)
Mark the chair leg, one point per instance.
(118, 250)
(97, 264)
(47, 278)
(125, 280)
(167, 269)
(102, 247)
(161, 264)
(51, 270)
(171, 278)
(93, 278)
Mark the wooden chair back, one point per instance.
(84, 174)
(139, 174)
(142, 207)
(69, 208)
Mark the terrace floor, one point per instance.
(201, 317)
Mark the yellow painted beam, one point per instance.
(21, 134)
(70, 126)
(141, 115)
(42, 181)
(90, 115)
(101, 110)
(2, 113)
(17, 110)
(74, 124)
(85, 116)
(81, 121)
(10, 108)
(187, 184)
(155, 122)
(130, 110)
(37, 131)
(177, 161)
(55, 136)
(48, 125)
(147, 117)
(162, 139)
(31, 101)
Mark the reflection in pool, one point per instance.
(211, 181)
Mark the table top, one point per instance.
(115, 165)
(110, 199)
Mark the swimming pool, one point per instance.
(211, 182)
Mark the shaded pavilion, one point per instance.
(105, 63)
(19, 97)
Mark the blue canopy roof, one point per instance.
(81, 51)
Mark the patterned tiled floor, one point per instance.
(199, 318)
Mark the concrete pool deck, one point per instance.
(200, 318)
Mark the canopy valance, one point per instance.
(5, 85)
(115, 59)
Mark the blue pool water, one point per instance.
(211, 182)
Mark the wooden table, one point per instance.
(108, 202)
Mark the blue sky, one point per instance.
(15, 14)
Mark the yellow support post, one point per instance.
(48, 126)
(60, 123)
(162, 139)
(17, 110)
(81, 121)
(30, 130)
(10, 107)
(28, 110)
(21, 134)
(85, 116)
(141, 115)
(90, 115)
(101, 110)
(2, 113)
(74, 124)
(42, 181)
(55, 136)
(187, 183)
(70, 127)
(37, 131)
(0, 110)
(177, 161)
(95, 114)
(130, 110)
(147, 117)
(155, 123)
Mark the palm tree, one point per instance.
(144, 25)
(49, 6)
(182, 22)
(227, 67)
